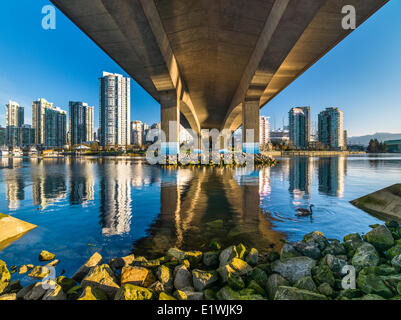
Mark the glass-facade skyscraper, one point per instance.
(81, 122)
(50, 124)
(299, 123)
(115, 110)
(331, 128)
(14, 122)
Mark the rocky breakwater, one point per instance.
(311, 269)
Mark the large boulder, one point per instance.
(252, 257)
(291, 293)
(204, 279)
(372, 284)
(396, 262)
(8, 297)
(381, 238)
(240, 266)
(211, 258)
(5, 276)
(95, 260)
(182, 277)
(335, 248)
(194, 257)
(335, 264)
(137, 276)
(131, 292)
(66, 283)
(365, 256)
(308, 249)
(294, 269)
(273, 283)
(393, 252)
(259, 276)
(322, 274)
(102, 277)
(38, 290)
(119, 263)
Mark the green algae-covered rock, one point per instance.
(257, 288)
(74, 293)
(90, 293)
(291, 293)
(252, 257)
(203, 279)
(165, 296)
(95, 260)
(335, 264)
(66, 283)
(215, 246)
(371, 297)
(236, 283)
(226, 293)
(188, 294)
(194, 257)
(334, 248)
(373, 284)
(350, 294)
(209, 294)
(55, 294)
(381, 238)
(46, 256)
(365, 256)
(326, 290)
(225, 272)
(396, 262)
(5, 276)
(306, 283)
(131, 292)
(259, 276)
(323, 274)
(273, 283)
(393, 252)
(39, 272)
(352, 236)
(176, 253)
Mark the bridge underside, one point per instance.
(214, 62)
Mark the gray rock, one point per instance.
(318, 238)
(252, 257)
(365, 256)
(38, 291)
(55, 294)
(46, 256)
(273, 283)
(335, 248)
(102, 277)
(203, 279)
(294, 269)
(8, 296)
(211, 258)
(227, 255)
(326, 290)
(308, 249)
(188, 293)
(288, 251)
(182, 277)
(165, 275)
(21, 294)
(396, 262)
(335, 264)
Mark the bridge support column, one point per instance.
(250, 127)
(170, 123)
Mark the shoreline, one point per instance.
(311, 269)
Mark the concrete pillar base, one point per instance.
(170, 148)
(251, 147)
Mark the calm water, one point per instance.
(119, 206)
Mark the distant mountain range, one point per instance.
(381, 136)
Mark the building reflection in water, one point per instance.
(115, 197)
(48, 181)
(82, 181)
(14, 181)
(300, 177)
(200, 205)
(331, 175)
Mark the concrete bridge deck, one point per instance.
(214, 63)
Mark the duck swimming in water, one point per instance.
(302, 212)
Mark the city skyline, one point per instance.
(327, 83)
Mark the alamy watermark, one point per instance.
(49, 19)
(349, 20)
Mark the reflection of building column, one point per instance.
(115, 199)
(14, 187)
(82, 182)
(300, 176)
(48, 182)
(331, 176)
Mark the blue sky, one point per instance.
(361, 75)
